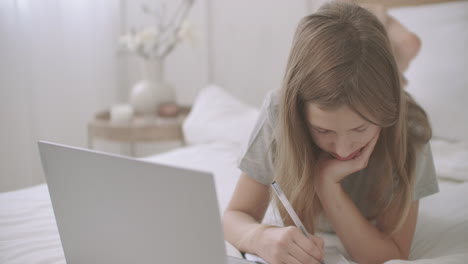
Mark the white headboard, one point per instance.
(438, 76)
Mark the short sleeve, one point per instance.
(426, 180)
(256, 159)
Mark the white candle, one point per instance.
(121, 113)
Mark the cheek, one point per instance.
(367, 137)
(363, 138)
(322, 141)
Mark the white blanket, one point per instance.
(442, 230)
(28, 233)
(451, 159)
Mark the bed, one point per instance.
(216, 130)
(28, 233)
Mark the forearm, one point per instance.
(363, 241)
(242, 230)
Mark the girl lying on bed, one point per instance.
(346, 143)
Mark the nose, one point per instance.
(343, 147)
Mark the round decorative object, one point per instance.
(144, 97)
(147, 94)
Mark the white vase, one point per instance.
(152, 90)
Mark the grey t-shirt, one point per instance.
(256, 160)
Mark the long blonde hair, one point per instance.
(341, 55)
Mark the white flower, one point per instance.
(129, 42)
(148, 35)
(187, 33)
(158, 40)
(148, 38)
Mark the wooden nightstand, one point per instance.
(139, 129)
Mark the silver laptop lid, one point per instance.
(113, 209)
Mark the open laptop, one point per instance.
(114, 209)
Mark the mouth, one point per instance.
(349, 157)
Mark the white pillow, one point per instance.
(218, 116)
(438, 77)
(450, 159)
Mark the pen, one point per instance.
(289, 208)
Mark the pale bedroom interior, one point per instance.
(86, 74)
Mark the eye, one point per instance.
(322, 131)
(361, 129)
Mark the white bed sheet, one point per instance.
(28, 233)
(442, 230)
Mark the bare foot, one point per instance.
(405, 44)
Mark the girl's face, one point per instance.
(341, 132)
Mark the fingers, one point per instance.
(291, 259)
(312, 246)
(288, 245)
(368, 149)
(318, 241)
(300, 254)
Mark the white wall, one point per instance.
(251, 41)
(58, 66)
(243, 46)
